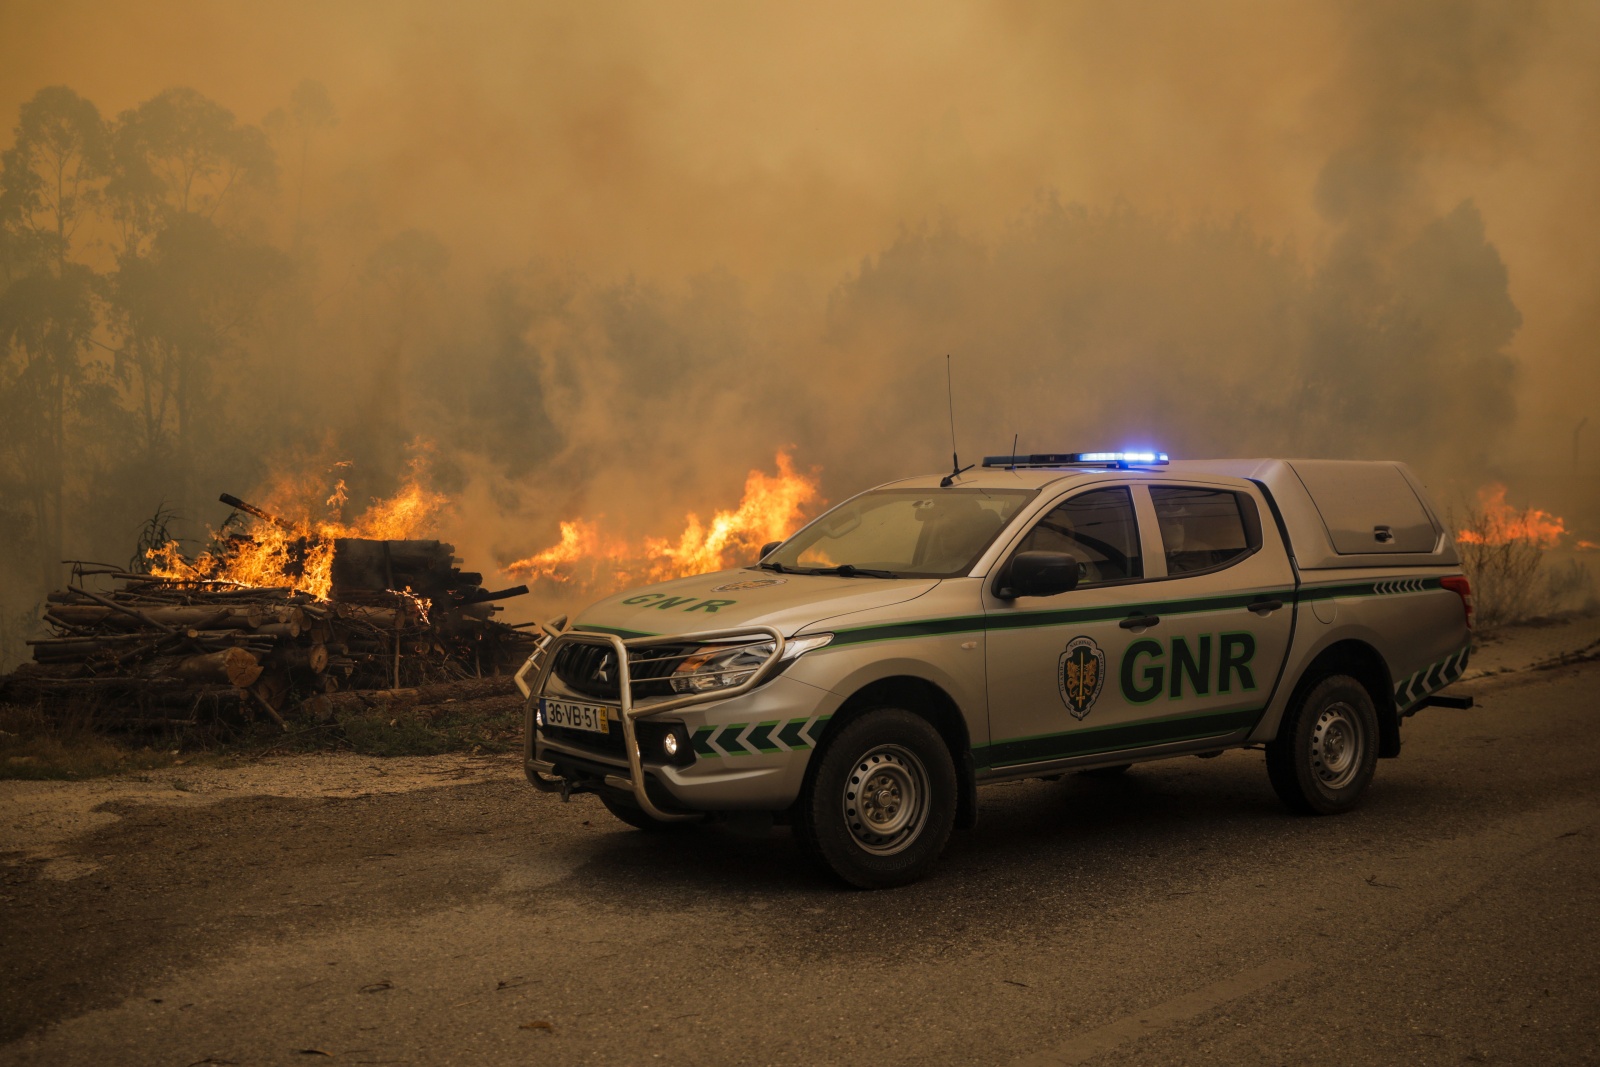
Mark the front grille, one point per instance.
(592, 669)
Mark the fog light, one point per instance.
(669, 745)
(538, 715)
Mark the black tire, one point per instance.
(1327, 748)
(636, 817)
(913, 800)
(1116, 770)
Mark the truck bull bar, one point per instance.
(542, 661)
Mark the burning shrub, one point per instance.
(1503, 551)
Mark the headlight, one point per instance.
(722, 667)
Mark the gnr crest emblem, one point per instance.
(1081, 675)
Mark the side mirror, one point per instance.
(1038, 574)
(767, 548)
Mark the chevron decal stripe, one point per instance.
(790, 734)
(728, 740)
(1400, 585)
(760, 739)
(749, 739)
(1430, 679)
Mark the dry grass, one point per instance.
(73, 741)
(66, 745)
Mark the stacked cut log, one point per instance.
(152, 651)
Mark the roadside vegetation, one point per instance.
(74, 741)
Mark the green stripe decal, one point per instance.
(1065, 617)
(963, 624)
(1113, 738)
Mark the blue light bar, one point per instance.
(1121, 457)
(1079, 459)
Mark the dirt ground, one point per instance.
(438, 910)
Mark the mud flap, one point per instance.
(967, 798)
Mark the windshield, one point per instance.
(909, 533)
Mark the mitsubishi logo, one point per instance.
(603, 672)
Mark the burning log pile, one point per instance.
(160, 649)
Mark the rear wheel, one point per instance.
(1326, 749)
(880, 801)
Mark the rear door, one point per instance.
(1226, 607)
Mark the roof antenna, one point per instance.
(1013, 452)
(956, 469)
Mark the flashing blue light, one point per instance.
(1122, 457)
(1079, 459)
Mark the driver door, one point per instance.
(1052, 661)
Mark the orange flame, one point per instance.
(1503, 524)
(297, 551)
(772, 508)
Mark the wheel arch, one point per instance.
(929, 701)
(1366, 665)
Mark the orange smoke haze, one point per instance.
(607, 256)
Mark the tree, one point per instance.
(49, 181)
(179, 153)
(185, 285)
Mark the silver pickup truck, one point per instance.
(1038, 615)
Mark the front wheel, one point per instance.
(1326, 749)
(880, 801)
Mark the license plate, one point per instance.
(591, 717)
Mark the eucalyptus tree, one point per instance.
(51, 179)
(189, 276)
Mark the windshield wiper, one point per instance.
(850, 570)
(774, 566)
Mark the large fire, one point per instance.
(295, 548)
(1499, 523)
(773, 507)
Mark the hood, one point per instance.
(727, 599)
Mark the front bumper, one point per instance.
(750, 743)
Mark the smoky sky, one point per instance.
(609, 257)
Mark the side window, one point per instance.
(1204, 528)
(1097, 529)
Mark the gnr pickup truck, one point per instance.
(1040, 615)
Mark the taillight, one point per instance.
(1458, 584)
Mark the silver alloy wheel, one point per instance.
(1337, 745)
(886, 799)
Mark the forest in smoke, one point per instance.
(195, 299)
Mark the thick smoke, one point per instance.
(604, 261)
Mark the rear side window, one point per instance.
(1097, 529)
(1203, 529)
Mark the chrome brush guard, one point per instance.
(541, 662)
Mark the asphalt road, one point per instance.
(1178, 915)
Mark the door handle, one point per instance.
(1265, 607)
(1134, 622)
